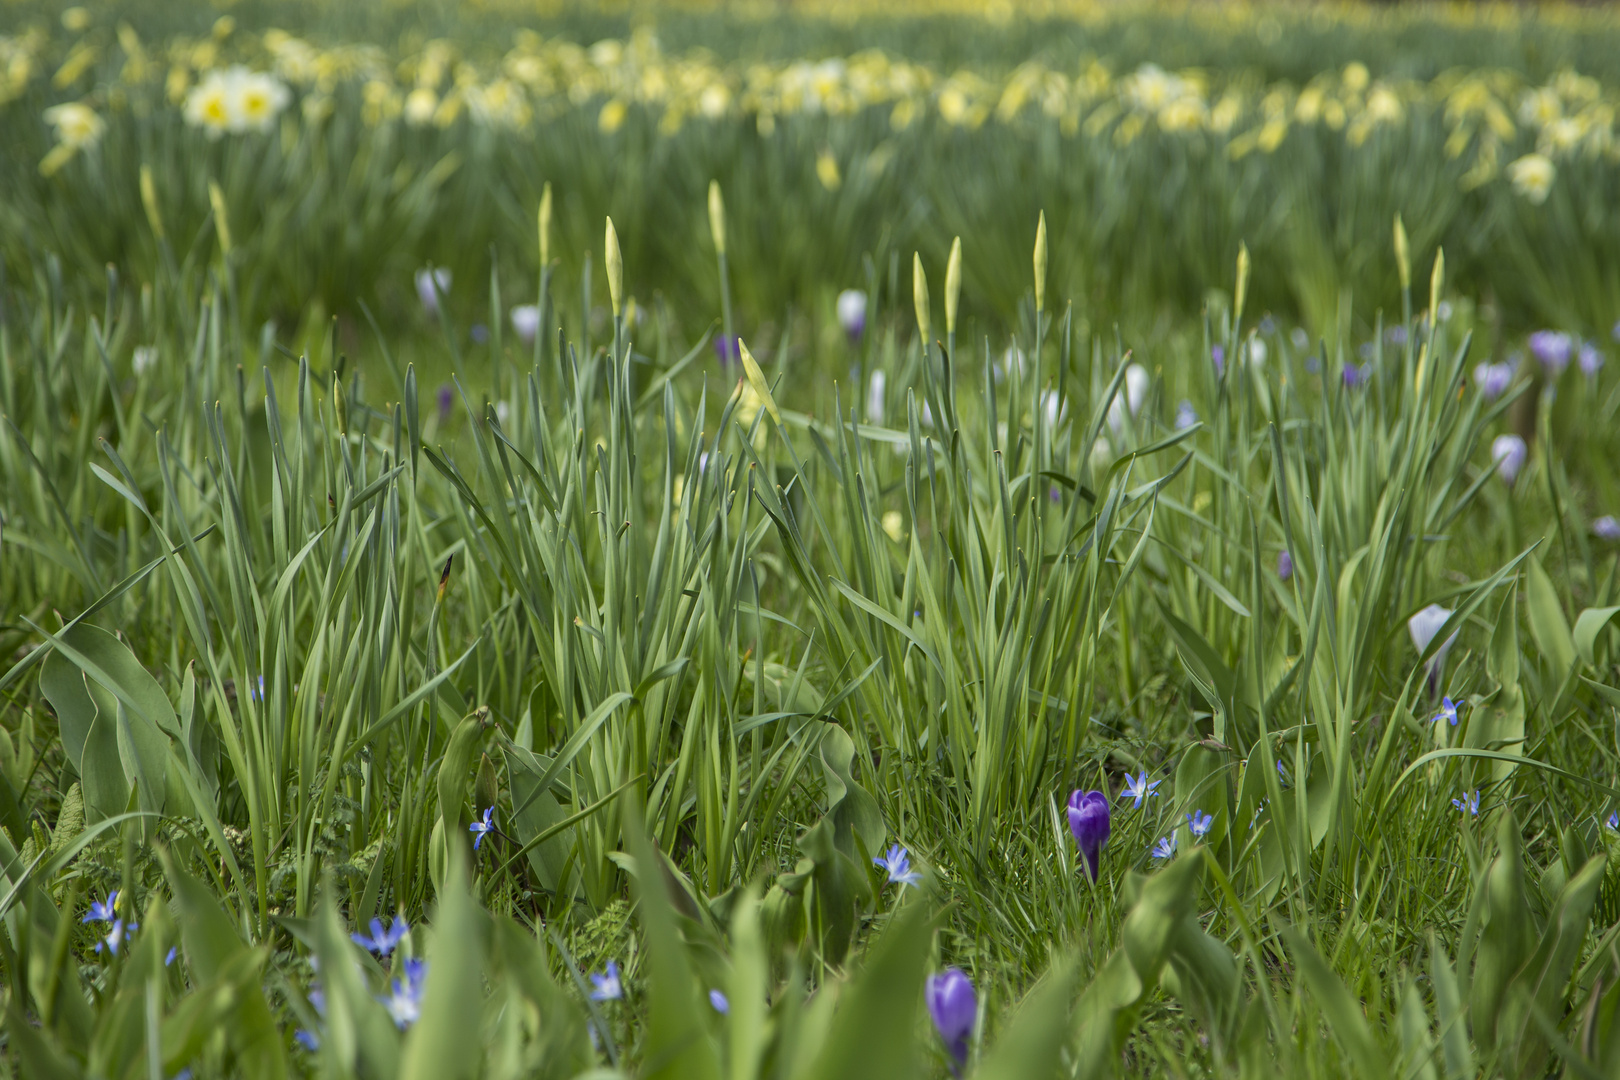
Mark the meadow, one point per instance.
(742, 542)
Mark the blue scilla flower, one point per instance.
(116, 936)
(404, 1004)
(1448, 712)
(1199, 822)
(1165, 848)
(606, 986)
(897, 862)
(382, 942)
(1468, 804)
(482, 828)
(103, 910)
(1137, 788)
(720, 1003)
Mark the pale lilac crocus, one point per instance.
(1186, 415)
(447, 401)
(1285, 566)
(953, 1006)
(1134, 392)
(1509, 452)
(1423, 626)
(876, 383)
(1607, 528)
(1493, 379)
(725, 348)
(852, 313)
(1089, 822)
(1553, 348)
(1589, 359)
(1217, 356)
(526, 322)
(430, 285)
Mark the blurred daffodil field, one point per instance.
(1028, 539)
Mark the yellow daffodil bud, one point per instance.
(545, 225)
(149, 200)
(1242, 283)
(756, 379)
(615, 268)
(1040, 263)
(953, 284)
(1403, 255)
(222, 225)
(717, 217)
(919, 296)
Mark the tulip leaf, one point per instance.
(1548, 626)
(1587, 628)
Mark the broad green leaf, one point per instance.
(1547, 623)
(446, 1044)
(1338, 1007)
(1587, 628)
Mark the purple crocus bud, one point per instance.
(1088, 820)
(526, 322)
(725, 347)
(1607, 528)
(1589, 359)
(430, 285)
(954, 1006)
(447, 400)
(1285, 566)
(852, 313)
(1509, 453)
(1217, 355)
(1553, 349)
(1423, 626)
(1493, 379)
(1353, 376)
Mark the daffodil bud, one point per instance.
(1040, 263)
(545, 225)
(615, 267)
(1242, 283)
(717, 217)
(222, 225)
(149, 201)
(756, 379)
(953, 284)
(1403, 255)
(919, 295)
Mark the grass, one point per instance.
(283, 629)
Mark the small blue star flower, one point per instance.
(482, 828)
(606, 986)
(1448, 712)
(103, 911)
(1199, 822)
(897, 862)
(1165, 848)
(1137, 788)
(1468, 804)
(718, 1000)
(308, 1040)
(169, 957)
(1614, 822)
(115, 937)
(382, 942)
(404, 1005)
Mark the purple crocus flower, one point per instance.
(953, 1006)
(430, 285)
(1589, 359)
(1553, 349)
(1089, 822)
(447, 400)
(725, 347)
(1607, 528)
(852, 313)
(1509, 453)
(1217, 355)
(1493, 379)
(1285, 566)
